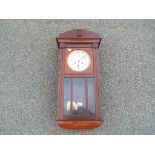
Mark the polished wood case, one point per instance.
(88, 41)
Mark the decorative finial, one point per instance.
(79, 32)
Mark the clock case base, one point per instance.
(80, 124)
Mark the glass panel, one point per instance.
(67, 95)
(91, 96)
(79, 97)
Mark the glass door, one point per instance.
(79, 98)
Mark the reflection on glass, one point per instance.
(67, 95)
(79, 96)
(91, 98)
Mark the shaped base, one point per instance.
(80, 124)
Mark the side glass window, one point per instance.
(91, 96)
(67, 95)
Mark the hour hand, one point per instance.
(83, 56)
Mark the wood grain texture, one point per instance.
(79, 124)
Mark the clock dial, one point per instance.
(78, 60)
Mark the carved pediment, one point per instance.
(79, 33)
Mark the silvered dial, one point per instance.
(78, 60)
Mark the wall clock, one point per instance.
(79, 99)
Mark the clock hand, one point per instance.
(78, 63)
(83, 56)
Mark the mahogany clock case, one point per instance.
(89, 42)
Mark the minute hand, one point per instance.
(83, 56)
